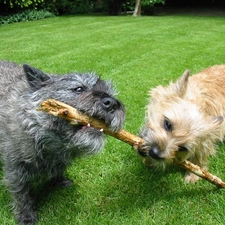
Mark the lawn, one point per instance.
(114, 187)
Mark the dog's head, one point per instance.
(87, 93)
(175, 129)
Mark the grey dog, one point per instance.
(35, 145)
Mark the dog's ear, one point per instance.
(181, 84)
(159, 95)
(35, 77)
(164, 94)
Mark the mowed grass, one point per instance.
(114, 187)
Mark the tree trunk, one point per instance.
(137, 10)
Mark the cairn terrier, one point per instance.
(36, 145)
(185, 119)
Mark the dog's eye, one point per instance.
(182, 149)
(78, 89)
(167, 125)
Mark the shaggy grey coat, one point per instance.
(36, 145)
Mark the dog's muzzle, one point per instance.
(154, 153)
(110, 104)
(151, 151)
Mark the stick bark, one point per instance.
(69, 113)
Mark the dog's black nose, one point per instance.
(142, 153)
(154, 153)
(109, 104)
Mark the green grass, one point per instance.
(114, 187)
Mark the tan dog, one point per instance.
(185, 119)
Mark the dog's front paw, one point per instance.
(148, 161)
(28, 218)
(190, 177)
(61, 182)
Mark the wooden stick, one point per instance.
(201, 173)
(69, 113)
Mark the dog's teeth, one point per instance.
(101, 130)
(89, 125)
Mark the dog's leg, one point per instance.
(23, 204)
(191, 177)
(24, 208)
(61, 181)
(58, 179)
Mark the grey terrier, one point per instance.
(35, 145)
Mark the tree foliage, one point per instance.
(21, 3)
(56, 6)
(148, 6)
(114, 7)
(152, 2)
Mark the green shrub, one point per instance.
(28, 15)
(73, 7)
(148, 6)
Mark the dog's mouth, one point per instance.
(154, 152)
(150, 150)
(86, 128)
(104, 108)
